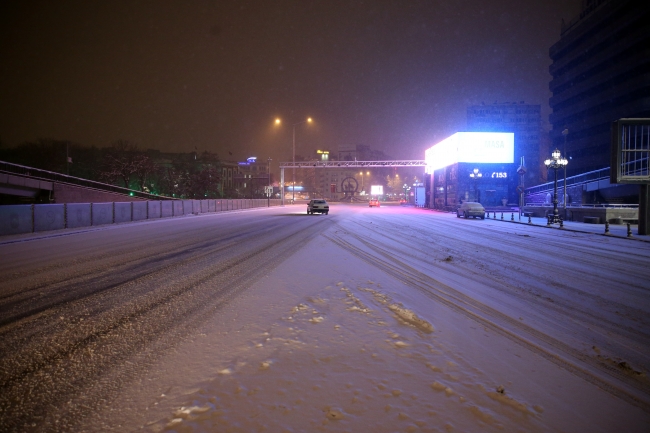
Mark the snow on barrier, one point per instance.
(102, 213)
(18, 219)
(49, 217)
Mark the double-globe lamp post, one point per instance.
(293, 156)
(269, 190)
(556, 162)
(476, 175)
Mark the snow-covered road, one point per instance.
(389, 319)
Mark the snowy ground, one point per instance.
(398, 319)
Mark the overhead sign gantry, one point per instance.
(345, 164)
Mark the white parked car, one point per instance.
(317, 206)
(471, 209)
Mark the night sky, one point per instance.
(213, 75)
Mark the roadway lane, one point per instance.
(84, 312)
(559, 316)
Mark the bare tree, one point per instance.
(123, 161)
(143, 169)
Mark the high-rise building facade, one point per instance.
(601, 73)
(524, 120)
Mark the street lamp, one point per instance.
(361, 173)
(293, 160)
(269, 191)
(406, 188)
(293, 156)
(556, 162)
(565, 132)
(476, 175)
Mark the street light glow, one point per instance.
(293, 154)
(557, 162)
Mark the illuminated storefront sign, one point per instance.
(472, 147)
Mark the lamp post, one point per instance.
(270, 188)
(556, 162)
(293, 157)
(406, 188)
(361, 173)
(565, 132)
(476, 175)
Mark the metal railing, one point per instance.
(36, 173)
(631, 151)
(580, 179)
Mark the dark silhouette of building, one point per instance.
(600, 69)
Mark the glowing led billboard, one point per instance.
(476, 147)
(377, 190)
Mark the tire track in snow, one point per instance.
(522, 265)
(84, 362)
(490, 318)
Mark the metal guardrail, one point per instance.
(36, 173)
(580, 179)
(636, 167)
(610, 205)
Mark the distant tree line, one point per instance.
(183, 175)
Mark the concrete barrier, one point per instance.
(166, 209)
(153, 209)
(16, 219)
(49, 217)
(77, 215)
(177, 208)
(187, 207)
(122, 212)
(102, 213)
(139, 210)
